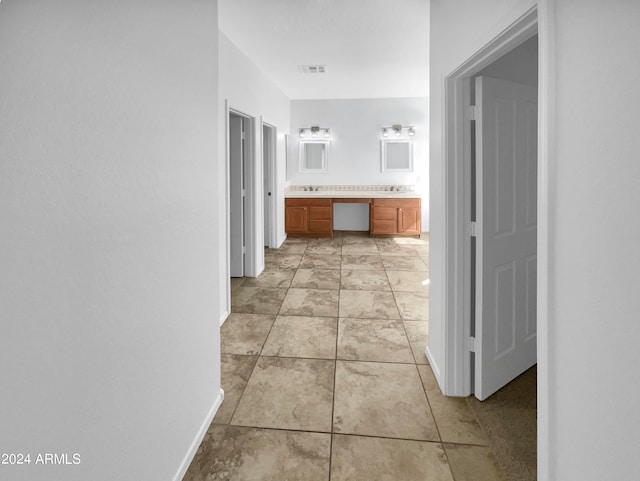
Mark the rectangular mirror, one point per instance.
(314, 155)
(397, 155)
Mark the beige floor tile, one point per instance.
(282, 260)
(325, 241)
(245, 333)
(364, 280)
(323, 250)
(381, 399)
(473, 463)
(310, 302)
(408, 281)
(362, 262)
(289, 248)
(271, 277)
(319, 261)
(231, 453)
(296, 336)
(398, 250)
(350, 239)
(373, 340)
(357, 458)
(235, 371)
(413, 306)
(399, 263)
(368, 304)
(257, 300)
(418, 334)
(359, 249)
(416, 241)
(456, 422)
(317, 279)
(236, 282)
(288, 393)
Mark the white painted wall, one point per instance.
(356, 128)
(594, 274)
(108, 207)
(249, 91)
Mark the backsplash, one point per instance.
(351, 188)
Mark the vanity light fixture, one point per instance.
(314, 130)
(398, 130)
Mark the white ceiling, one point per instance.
(371, 48)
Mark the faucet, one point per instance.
(391, 188)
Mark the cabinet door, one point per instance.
(296, 219)
(384, 220)
(409, 221)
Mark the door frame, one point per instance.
(458, 200)
(254, 254)
(270, 173)
(455, 377)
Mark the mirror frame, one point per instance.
(383, 155)
(301, 155)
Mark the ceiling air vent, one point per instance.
(312, 68)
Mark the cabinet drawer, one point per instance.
(307, 202)
(384, 213)
(320, 213)
(383, 226)
(401, 203)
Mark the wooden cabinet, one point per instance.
(395, 216)
(307, 217)
(313, 217)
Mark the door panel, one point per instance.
(236, 201)
(506, 163)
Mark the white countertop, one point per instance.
(352, 194)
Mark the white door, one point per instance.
(268, 172)
(236, 195)
(506, 224)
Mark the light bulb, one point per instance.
(326, 133)
(385, 133)
(301, 133)
(412, 132)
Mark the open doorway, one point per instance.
(269, 136)
(460, 343)
(492, 188)
(503, 184)
(241, 194)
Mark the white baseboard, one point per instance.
(223, 318)
(186, 462)
(434, 368)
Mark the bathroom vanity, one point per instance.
(392, 211)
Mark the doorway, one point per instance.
(242, 194)
(269, 136)
(503, 171)
(461, 339)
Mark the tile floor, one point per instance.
(325, 376)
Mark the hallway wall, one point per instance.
(594, 275)
(250, 91)
(109, 344)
